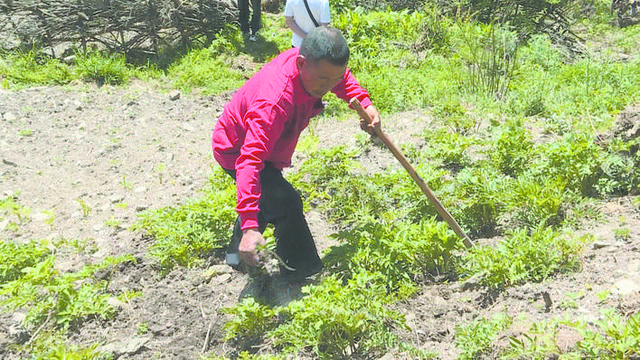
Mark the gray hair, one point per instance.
(325, 43)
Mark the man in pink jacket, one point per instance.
(256, 135)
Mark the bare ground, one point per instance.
(120, 151)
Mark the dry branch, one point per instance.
(119, 26)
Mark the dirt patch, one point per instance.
(102, 155)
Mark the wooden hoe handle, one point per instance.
(423, 186)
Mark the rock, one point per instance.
(601, 244)
(118, 198)
(174, 95)
(625, 287)
(220, 269)
(124, 347)
(17, 332)
(115, 303)
(9, 117)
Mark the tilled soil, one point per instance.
(98, 155)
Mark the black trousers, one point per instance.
(281, 205)
(243, 10)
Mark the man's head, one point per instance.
(323, 60)
(325, 43)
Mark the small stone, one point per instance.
(601, 244)
(174, 95)
(116, 198)
(625, 287)
(115, 302)
(220, 269)
(128, 347)
(9, 117)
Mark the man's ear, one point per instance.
(300, 60)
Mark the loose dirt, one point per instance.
(101, 155)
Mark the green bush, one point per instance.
(475, 339)
(104, 69)
(16, 257)
(340, 321)
(186, 233)
(524, 257)
(403, 252)
(20, 69)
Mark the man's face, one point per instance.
(319, 77)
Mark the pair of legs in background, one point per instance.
(280, 205)
(249, 28)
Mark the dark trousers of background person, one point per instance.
(243, 9)
(280, 205)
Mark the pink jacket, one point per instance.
(263, 122)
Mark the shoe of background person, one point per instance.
(253, 37)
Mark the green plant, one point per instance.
(513, 149)
(522, 257)
(55, 299)
(616, 338)
(573, 158)
(16, 257)
(339, 321)
(250, 323)
(86, 209)
(402, 252)
(105, 69)
(125, 184)
(475, 338)
(186, 233)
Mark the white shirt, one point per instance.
(296, 8)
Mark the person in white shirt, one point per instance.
(299, 20)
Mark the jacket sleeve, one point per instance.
(349, 88)
(264, 125)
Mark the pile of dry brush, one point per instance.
(123, 26)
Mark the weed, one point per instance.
(185, 234)
(250, 323)
(339, 321)
(522, 257)
(125, 184)
(105, 69)
(622, 233)
(86, 209)
(10, 207)
(475, 338)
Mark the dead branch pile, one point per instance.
(122, 26)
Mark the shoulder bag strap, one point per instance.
(306, 4)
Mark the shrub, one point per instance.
(340, 321)
(185, 234)
(524, 257)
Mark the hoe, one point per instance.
(442, 211)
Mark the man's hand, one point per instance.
(371, 126)
(251, 239)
